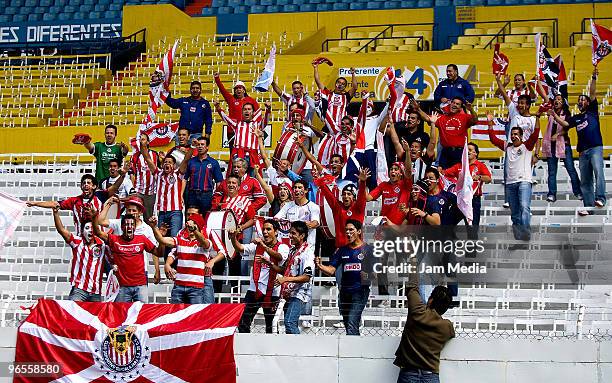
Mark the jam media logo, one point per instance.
(122, 355)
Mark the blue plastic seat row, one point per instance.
(59, 15)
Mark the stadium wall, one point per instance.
(342, 359)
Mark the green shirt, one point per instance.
(104, 153)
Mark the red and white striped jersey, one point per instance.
(86, 269)
(77, 205)
(515, 94)
(144, 179)
(245, 137)
(401, 112)
(249, 187)
(342, 146)
(336, 109)
(241, 206)
(289, 99)
(261, 282)
(191, 260)
(169, 191)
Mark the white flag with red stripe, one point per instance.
(464, 188)
(11, 211)
(480, 131)
(111, 290)
(130, 342)
(602, 41)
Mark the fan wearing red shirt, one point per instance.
(481, 175)
(237, 100)
(249, 187)
(453, 128)
(352, 205)
(393, 192)
(128, 257)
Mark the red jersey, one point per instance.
(241, 206)
(392, 196)
(453, 129)
(191, 261)
(477, 168)
(341, 214)
(336, 108)
(144, 179)
(169, 191)
(129, 257)
(77, 205)
(86, 269)
(235, 105)
(249, 187)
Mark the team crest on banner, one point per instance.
(122, 354)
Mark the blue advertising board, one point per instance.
(59, 31)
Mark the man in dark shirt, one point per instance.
(590, 146)
(453, 86)
(203, 173)
(356, 261)
(195, 112)
(425, 333)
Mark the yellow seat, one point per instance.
(356, 35)
(426, 34)
(583, 43)
(338, 49)
(509, 45)
(514, 39)
(355, 49)
(385, 48)
(586, 36)
(461, 46)
(400, 34)
(481, 47)
(493, 31)
(529, 44)
(374, 34)
(474, 31)
(484, 40)
(468, 40)
(520, 30)
(348, 43)
(547, 30)
(407, 48)
(393, 42)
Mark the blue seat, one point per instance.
(10, 10)
(113, 7)
(225, 10)
(75, 3)
(323, 7)
(461, 2)
(46, 3)
(40, 10)
(442, 3)
(477, 2)
(60, 3)
(20, 18)
(49, 16)
(250, 3)
(80, 15)
(258, 9)
(242, 9)
(95, 15)
(54, 10)
(495, 2)
(93, 2)
(272, 9)
(391, 4)
(111, 14)
(64, 16)
(85, 8)
(307, 8)
(17, 3)
(291, 8)
(5, 18)
(26, 10)
(234, 3)
(374, 5)
(70, 9)
(34, 17)
(531, 1)
(282, 2)
(408, 4)
(266, 2)
(340, 6)
(207, 11)
(31, 3)
(551, 1)
(217, 3)
(100, 7)
(356, 6)
(425, 4)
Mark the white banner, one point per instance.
(11, 211)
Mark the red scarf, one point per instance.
(295, 252)
(259, 250)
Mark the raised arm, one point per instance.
(277, 89)
(551, 112)
(166, 241)
(397, 145)
(239, 247)
(44, 204)
(103, 215)
(231, 124)
(264, 185)
(494, 139)
(310, 156)
(183, 168)
(59, 226)
(540, 90)
(433, 139)
(470, 108)
(146, 154)
(593, 86)
(95, 224)
(506, 82)
(502, 89)
(533, 138)
(417, 108)
(114, 188)
(329, 270)
(90, 147)
(227, 96)
(316, 76)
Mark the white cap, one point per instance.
(239, 83)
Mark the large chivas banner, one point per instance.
(129, 342)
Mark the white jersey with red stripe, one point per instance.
(401, 111)
(191, 260)
(77, 205)
(144, 179)
(303, 102)
(244, 132)
(263, 273)
(86, 269)
(342, 145)
(240, 205)
(514, 94)
(336, 109)
(169, 191)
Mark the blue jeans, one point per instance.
(568, 160)
(519, 197)
(174, 220)
(201, 199)
(293, 310)
(450, 156)
(247, 235)
(193, 295)
(417, 376)
(473, 229)
(133, 294)
(79, 295)
(351, 307)
(591, 162)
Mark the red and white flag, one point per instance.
(602, 41)
(464, 188)
(500, 61)
(11, 211)
(480, 131)
(111, 290)
(130, 342)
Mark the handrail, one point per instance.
(507, 24)
(344, 31)
(380, 36)
(420, 42)
(585, 22)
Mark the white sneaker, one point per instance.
(583, 213)
(339, 325)
(598, 203)
(506, 205)
(306, 324)
(551, 198)
(384, 305)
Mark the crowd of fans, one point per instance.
(181, 208)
